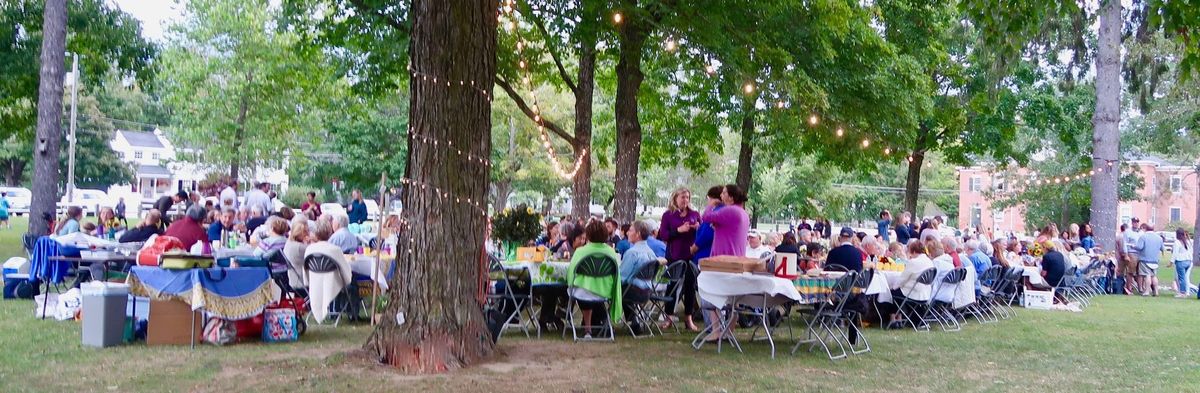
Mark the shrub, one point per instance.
(296, 195)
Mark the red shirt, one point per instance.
(957, 261)
(188, 231)
(315, 206)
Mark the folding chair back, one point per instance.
(596, 266)
(320, 263)
(29, 240)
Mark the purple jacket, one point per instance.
(731, 224)
(679, 244)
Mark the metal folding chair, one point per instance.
(512, 286)
(319, 263)
(823, 324)
(671, 290)
(641, 314)
(908, 306)
(593, 266)
(943, 312)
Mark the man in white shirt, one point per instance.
(258, 197)
(229, 197)
(757, 249)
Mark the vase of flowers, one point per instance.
(516, 227)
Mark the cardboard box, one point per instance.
(531, 254)
(168, 323)
(731, 264)
(1039, 300)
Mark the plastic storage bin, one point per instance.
(104, 313)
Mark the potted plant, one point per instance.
(515, 227)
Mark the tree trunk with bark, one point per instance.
(244, 106)
(632, 36)
(581, 185)
(912, 183)
(49, 122)
(745, 164)
(13, 171)
(434, 320)
(1105, 136)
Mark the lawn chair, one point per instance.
(512, 286)
(592, 266)
(853, 318)
(672, 290)
(943, 312)
(908, 307)
(323, 267)
(1068, 286)
(825, 319)
(984, 309)
(1010, 288)
(641, 312)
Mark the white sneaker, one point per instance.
(587, 336)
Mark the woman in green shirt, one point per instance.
(592, 292)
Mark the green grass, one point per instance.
(1121, 343)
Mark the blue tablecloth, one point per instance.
(227, 293)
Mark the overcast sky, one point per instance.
(154, 14)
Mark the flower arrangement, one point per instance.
(517, 226)
(1036, 250)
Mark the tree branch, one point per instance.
(393, 22)
(517, 99)
(562, 71)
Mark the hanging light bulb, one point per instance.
(840, 132)
(812, 120)
(670, 44)
(617, 18)
(710, 69)
(748, 87)
(887, 151)
(780, 104)
(866, 143)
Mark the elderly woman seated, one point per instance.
(591, 292)
(907, 286)
(633, 261)
(324, 287)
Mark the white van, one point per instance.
(19, 199)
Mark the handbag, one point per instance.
(218, 331)
(151, 253)
(279, 325)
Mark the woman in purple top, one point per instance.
(730, 224)
(678, 230)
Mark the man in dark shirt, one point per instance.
(165, 204)
(846, 255)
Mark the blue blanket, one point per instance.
(228, 293)
(41, 267)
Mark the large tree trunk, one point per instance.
(434, 321)
(1105, 136)
(244, 106)
(14, 169)
(49, 122)
(581, 185)
(746, 152)
(632, 37)
(912, 184)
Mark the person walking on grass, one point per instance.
(1149, 249)
(4, 206)
(1182, 255)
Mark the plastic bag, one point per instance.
(68, 304)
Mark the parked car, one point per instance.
(19, 199)
(89, 200)
(372, 209)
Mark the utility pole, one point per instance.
(74, 116)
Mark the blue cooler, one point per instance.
(16, 279)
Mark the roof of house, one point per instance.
(152, 170)
(141, 139)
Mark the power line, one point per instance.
(896, 190)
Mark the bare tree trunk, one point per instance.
(434, 321)
(14, 168)
(49, 122)
(1105, 137)
(632, 37)
(746, 153)
(581, 185)
(912, 184)
(235, 166)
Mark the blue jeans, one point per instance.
(1181, 275)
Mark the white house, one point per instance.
(158, 173)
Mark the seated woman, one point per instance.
(324, 288)
(148, 227)
(636, 258)
(109, 226)
(277, 230)
(550, 295)
(918, 262)
(944, 263)
(70, 223)
(294, 249)
(591, 292)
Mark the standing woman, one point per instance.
(678, 231)
(1182, 251)
(731, 226)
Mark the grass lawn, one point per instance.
(1119, 344)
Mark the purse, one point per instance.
(279, 325)
(218, 331)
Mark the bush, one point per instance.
(296, 195)
(1172, 226)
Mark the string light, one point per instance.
(710, 69)
(748, 88)
(812, 120)
(617, 18)
(866, 143)
(887, 151)
(779, 104)
(840, 132)
(670, 44)
(424, 77)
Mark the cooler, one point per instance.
(104, 313)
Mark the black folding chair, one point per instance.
(672, 291)
(823, 323)
(641, 312)
(320, 263)
(984, 309)
(943, 312)
(598, 267)
(511, 287)
(908, 307)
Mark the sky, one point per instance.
(154, 14)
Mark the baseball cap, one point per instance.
(846, 232)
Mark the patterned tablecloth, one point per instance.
(365, 265)
(541, 273)
(228, 293)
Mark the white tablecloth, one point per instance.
(365, 265)
(723, 289)
(883, 282)
(1035, 275)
